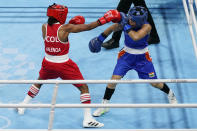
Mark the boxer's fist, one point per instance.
(127, 28)
(111, 15)
(95, 43)
(77, 20)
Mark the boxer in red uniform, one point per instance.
(56, 63)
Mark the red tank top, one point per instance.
(53, 46)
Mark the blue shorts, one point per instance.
(142, 63)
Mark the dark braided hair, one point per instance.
(51, 21)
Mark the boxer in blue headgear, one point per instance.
(139, 15)
(134, 55)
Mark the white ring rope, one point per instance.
(98, 105)
(196, 3)
(100, 130)
(190, 21)
(53, 104)
(98, 81)
(192, 13)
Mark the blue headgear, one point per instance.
(139, 15)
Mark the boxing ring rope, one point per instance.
(101, 130)
(191, 19)
(53, 104)
(98, 105)
(132, 81)
(196, 3)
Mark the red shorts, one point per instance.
(66, 71)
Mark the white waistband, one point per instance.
(135, 51)
(57, 59)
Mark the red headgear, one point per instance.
(59, 12)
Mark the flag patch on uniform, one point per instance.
(152, 74)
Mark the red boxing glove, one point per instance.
(111, 15)
(77, 20)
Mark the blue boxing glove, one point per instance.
(127, 28)
(95, 43)
(124, 19)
